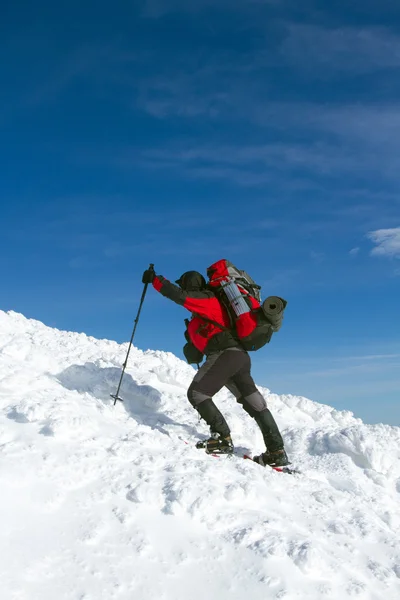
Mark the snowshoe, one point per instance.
(216, 444)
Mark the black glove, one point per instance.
(148, 276)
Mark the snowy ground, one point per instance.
(101, 502)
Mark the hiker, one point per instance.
(209, 333)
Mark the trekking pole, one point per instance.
(116, 395)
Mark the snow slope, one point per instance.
(101, 502)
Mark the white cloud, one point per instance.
(344, 48)
(372, 357)
(156, 9)
(387, 242)
(234, 81)
(247, 164)
(354, 251)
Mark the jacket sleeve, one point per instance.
(169, 290)
(197, 302)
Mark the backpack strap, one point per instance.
(212, 322)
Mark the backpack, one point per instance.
(254, 321)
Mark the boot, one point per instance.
(216, 444)
(273, 459)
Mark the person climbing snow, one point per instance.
(209, 333)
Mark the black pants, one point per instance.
(231, 368)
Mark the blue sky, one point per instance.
(181, 132)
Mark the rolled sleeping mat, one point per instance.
(273, 308)
(236, 300)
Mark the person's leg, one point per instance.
(210, 379)
(242, 386)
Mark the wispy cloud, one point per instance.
(158, 8)
(211, 85)
(363, 359)
(232, 87)
(387, 242)
(369, 365)
(255, 165)
(368, 370)
(369, 357)
(344, 48)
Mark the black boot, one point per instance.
(217, 444)
(273, 459)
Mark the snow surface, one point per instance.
(102, 502)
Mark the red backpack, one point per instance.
(253, 320)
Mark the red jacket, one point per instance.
(205, 336)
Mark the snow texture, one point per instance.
(114, 503)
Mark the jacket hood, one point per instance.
(191, 281)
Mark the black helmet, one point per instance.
(191, 281)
